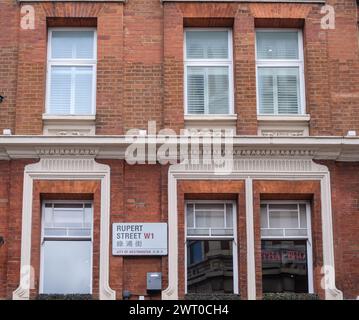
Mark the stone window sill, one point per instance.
(203, 123)
(288, 125)
(65, 125)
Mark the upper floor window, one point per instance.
(208, 71)
(280, 72)
(71, 71)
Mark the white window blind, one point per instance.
(280, 75)
(71, 72)
(210, 219)
(284, 220)
(208, 68)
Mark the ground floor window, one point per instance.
(211, 247)
(286, 247)
(66, 248)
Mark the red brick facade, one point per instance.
(140, 78)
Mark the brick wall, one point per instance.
(140, 61)
(139, 194)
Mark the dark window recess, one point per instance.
(209, 266)
(284, 266)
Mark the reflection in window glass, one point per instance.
(284, 266)
(209, 266)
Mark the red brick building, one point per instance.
(282, 76)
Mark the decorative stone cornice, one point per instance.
(114, 147)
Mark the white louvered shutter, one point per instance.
(218, 90)
(279, 91)
(196, 90)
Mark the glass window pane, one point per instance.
(189, 216)
(218, 90)
(278, 90)
(277, 45)
(68, 218)
(60, 93)
(67, 267)
(264, 217)
(229, 215)
(207, 44)
(196, 90)
(303, 216)
(284, 266)
(83, 90)
(72, 45)
(282, 219)
(213, 219)
(210, 266)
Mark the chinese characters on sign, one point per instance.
(139, 239)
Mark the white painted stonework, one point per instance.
(70, 167)
(249, 169)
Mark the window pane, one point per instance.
(71, 86)
(209, 266)
(195, 90)
(264, 217)
(60, 95)
(229, 215)
(83, 90)
(303, 216)
(218, 90)
(207, 44)
(208, 90)
(278, 90)
(67, 267)
(212, 219)
(282, 219)
(189, 215)
(277, 45)
(284, 266)
(68, 218)
(72, 45)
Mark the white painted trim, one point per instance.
(63, 168)
(252, 168)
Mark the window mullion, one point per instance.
(206, 91)
(275, 94)
(72, 104)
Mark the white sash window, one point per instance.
(208, 71)
(280, 72)
(66, 248)
(211, 247)
(286, 247)
(71, 71)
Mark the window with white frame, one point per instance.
(286, 247)
(208, 71)
(280, 72)
(71, 71)
(211, 247)
(66, 248)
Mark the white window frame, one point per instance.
(308, 238)
(210, 63)
(275, 63)
(233, 238)
(71, 63)
(64, 238)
